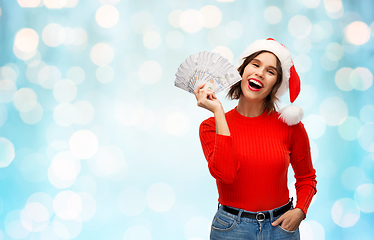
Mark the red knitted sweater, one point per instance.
(250, 166)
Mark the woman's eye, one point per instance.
(254, 64)
(271, 73)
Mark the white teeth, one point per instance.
(255, 82)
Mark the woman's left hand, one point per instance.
(290, 220)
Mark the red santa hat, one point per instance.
(291, 114)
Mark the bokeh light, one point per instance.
(95, 141)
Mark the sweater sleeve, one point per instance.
(301, 162)
(219, 151)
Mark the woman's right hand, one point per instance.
(207, 99)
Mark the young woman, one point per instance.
(249, 149)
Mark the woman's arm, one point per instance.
(215, 139)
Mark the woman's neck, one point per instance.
(250, 109)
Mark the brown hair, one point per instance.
(270, 102)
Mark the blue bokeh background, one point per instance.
(97, 143)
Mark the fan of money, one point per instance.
(209, 67)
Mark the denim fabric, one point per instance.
(226, 226)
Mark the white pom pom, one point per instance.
(291, 114)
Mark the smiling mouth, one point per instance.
(254, 84)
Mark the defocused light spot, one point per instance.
(71, 3)
(353, 177)
(333, 5)
(34, 167)
(342, 79)
(303, 63)
(334, 51)
(33, 69)
(48, 76)
(191, 21)
(110, 2)
(129, 113)
(315, 125)
(55, 4)
(211, 16)
(273, 15)
(26, 40)
(107, 16)
(65, 91)
(177, 123)
(327, 63)
(76, 74)
(88, 206)
(13, 225)
(348, 47)
(80, 36)
(348, 130)
(132, 201)
(334, 111)
(84, 112)
(302, 45)
(67, 229)
(345, 212)
(160, 197)
(29, 3)
(150, 72)
(367, 113)
(311, 3)
(174, 39)
(44, 199)
(102, 54)
(3, 113)
(364, 197)
(357, 33)
(140, 21)
(24, 55)
(148, 120)
(317, 33)
(110, 160)
(67, 205)
(308, 95)
(198, 226)
(7, 91)
(104, 74)
(299, 26)
(137, 233)
(64, 114)
(7, 152)
(225, 52)
(8, 73)
(234, 29)
(174, 18)
(218, 37)
(361, 79)
(83, 144)
(85, 184)
(366, 137)
(54, 35)
(25, 99)
(35, 217)
(65, 166)
(311, 230)
(151, 40)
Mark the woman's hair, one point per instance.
(270, 102)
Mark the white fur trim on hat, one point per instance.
(280, 51)
(291, 114)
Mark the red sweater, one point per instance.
(250, 166)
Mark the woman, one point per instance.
(249, 149)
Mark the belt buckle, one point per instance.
(260, 216)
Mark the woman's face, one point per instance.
(259, 77)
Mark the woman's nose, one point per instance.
(260, 72)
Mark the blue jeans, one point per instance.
(226, 226)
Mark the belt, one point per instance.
(260, 216)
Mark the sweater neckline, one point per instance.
(250, 120)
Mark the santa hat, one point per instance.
(291, 114)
